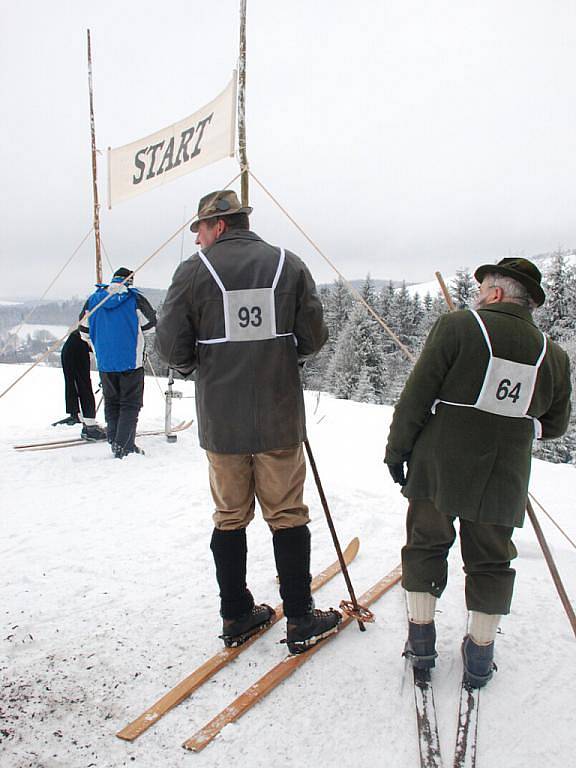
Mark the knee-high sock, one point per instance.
(421, 607)
(230, 549)
(483, 627)
(292, 554)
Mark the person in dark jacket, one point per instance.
(486, 384)
(116, 331)
(80, 403)
(242, 315)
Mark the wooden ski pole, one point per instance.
(565, 600)
(357, 611)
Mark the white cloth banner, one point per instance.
(198, 140)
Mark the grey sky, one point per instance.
(406, 136)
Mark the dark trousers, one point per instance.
(77, 383)
(486, 550)
(123, 398)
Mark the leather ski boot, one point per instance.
(420, 647)
(478, 662)
(93, 433)
(235, 632)
(302, 632)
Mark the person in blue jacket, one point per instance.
(116, 332)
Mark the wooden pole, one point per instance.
(242, 107)
(94, 174)
(445, 291)
(533, 519)
(552, 567)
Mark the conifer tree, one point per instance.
(463, 289)
(557, 317)
(342, 376)
(364, 391)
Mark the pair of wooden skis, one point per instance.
(261, 687)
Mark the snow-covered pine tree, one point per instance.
(337, 302)
(386, 301)
(557, 317)
(364, 392)
(463, 289)
(337, 310)
(342, 373)
(369, 293)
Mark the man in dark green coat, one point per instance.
(486, 384)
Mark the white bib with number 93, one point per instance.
(249, 313)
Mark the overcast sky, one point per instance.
(404, 135)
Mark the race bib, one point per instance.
(508, 388)
(251, 314)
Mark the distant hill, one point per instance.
(13, 311)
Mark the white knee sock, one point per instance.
(483, 627)
(421, 607)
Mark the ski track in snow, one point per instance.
(109, 599)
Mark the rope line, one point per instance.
(154, 374)
(549, 516)
(106, 254)
(35, 307)
(349, 285)
(75, 325)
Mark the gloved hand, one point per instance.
(397, 472)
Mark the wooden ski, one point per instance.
(280, 672)
(428, 739)
(54, 444)
(213, 665)
(467, 732)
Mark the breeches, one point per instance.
(275, 478)
(486, 550)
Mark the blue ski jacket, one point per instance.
(116, 330)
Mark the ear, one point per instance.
(498, 295)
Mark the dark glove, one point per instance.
(397, 472)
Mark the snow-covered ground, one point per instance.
(432, 287)
(109, 599)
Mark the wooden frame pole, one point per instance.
(244, 193)
(94, 172)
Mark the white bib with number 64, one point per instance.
(508, 387)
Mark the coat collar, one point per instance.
(237, 234)
(509, 308)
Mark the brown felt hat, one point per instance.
(221, 203)
(522, 270)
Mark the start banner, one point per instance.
(198, 140)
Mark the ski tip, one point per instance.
(353, 547)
